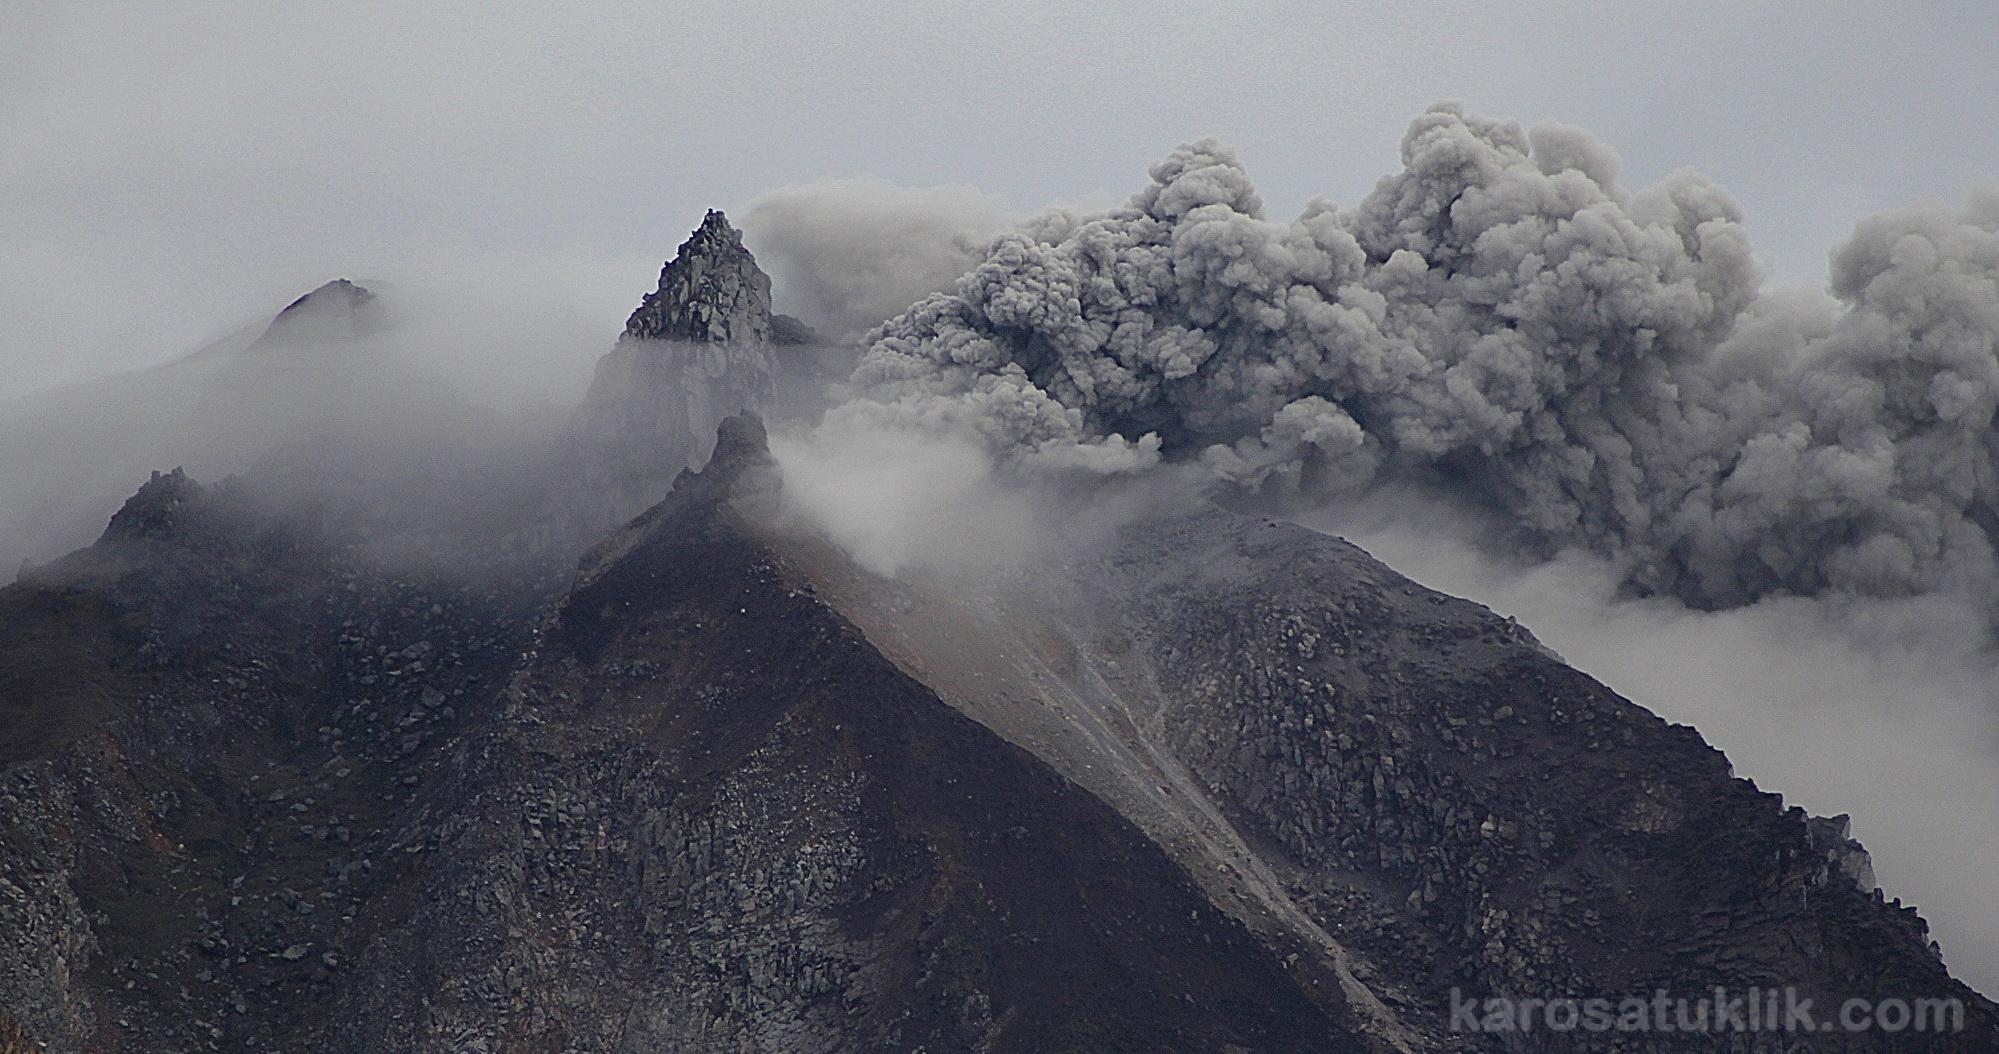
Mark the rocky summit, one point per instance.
(712, 291)
(373, 768)
(698, 348)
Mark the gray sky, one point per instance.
(168, 171)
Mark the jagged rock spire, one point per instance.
(712, 291)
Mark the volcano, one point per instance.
(701, 781)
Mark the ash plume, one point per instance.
(847, 253)
(1503, 315)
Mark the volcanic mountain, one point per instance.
(1205, 783)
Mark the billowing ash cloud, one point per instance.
(847, 253)
(1503, 314)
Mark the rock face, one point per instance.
(686, 808)
(156, 509)
(711, 292)
(1401, 792)
(696, 350)
(717, 813)
(216, 722)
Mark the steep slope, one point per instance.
(710, 817)
(1216, 784)
(702, 814)
(214, 717)
(1405, 789)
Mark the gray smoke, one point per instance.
(846, 253)
(1503, 315)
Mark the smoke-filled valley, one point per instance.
(974, 661)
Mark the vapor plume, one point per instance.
(1504, 315)
(847, 253)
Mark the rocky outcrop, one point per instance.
(1833, 836)
(697, 349)
(789, 332)
(711, 292)
(157, 509)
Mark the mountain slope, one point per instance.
(713, 818)
(1219, 785)
(1406, 790)
(701, 814)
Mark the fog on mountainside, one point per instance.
(344, 390)
(415, 398)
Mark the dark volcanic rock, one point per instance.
(786, 331)
(212, 718)
(1467, 811)
(1403, 792)
(157, 509)
(712, 291)
(713, 818)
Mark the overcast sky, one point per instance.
(168, 171)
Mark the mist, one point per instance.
(900, 502)
(845, 254)
(422, 398)
(906, 501)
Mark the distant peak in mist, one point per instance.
(338, 310)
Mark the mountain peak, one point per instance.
(157, 509)
(340, 309)
(712, 291)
